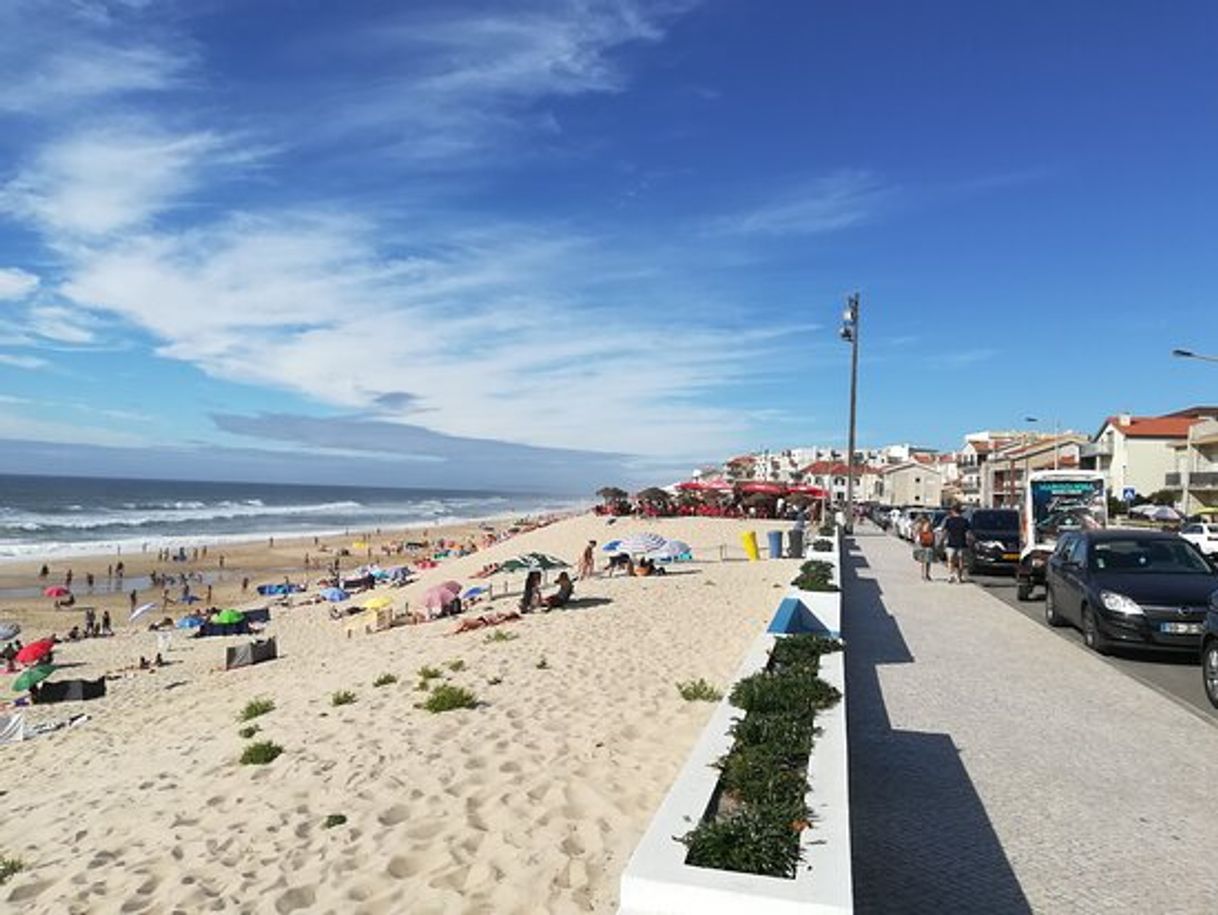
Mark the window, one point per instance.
(1078, 551)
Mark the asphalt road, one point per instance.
(1176, 676)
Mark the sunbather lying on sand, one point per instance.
(487, 619)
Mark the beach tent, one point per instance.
(377, 603)
(334, 595)
(254, 652)
(441, 595)
(71, 691)
(190, 622)
(279, 588)
(12, 728)
(257, 615)
(9, 631)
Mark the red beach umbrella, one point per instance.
(35, 651)
(804, 489)
(437, 597)
(56, 591)
(767, 489)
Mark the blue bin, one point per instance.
(775, 539)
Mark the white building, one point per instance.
(1138, 452)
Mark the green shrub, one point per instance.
(256, 707)
(334, 819)
(698, 691)
(815, 575)
(501, 635)
(248, 732)
(751, 841)
(430, 673)
(260, 753)
(767, 774)
(384, 680)
(767, 692)
(822, 545)
(828, 529)
(456, 666)
(803, 649)
(446, 697)
(9, 867)
(342, 697)
(777, 727)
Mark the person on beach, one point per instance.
(133, 596)
(619, 561)
(955, 530)
(105, 624)
(44, 571)
(531, 599)
(559, 598)
(586, 561)
(924, 537)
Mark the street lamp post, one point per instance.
(850, 333)
(1027, 457)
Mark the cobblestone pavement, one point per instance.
(997, 769)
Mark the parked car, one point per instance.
(1149, 589)
(1204, 535)
(993, 539)
(1209, 653)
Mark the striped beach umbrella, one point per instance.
(641, 543)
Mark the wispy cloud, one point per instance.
(16, 283)
(825, 204)
(21, 362)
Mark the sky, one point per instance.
(555, 244)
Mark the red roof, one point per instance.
(1153, 426)
(831, 468)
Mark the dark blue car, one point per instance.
(1147, 589)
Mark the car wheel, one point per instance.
(1052, 617)
(1092, 637)
(1209, 671)
(1024, 590)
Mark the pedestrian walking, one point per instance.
(133, 596)
(586, 561)
(924, 552)
(955, 535)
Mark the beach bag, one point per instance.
(926, 538)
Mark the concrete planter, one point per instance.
(657, 881)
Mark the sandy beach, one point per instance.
(531, 802)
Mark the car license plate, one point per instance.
(1011, 557)
(1181, 628)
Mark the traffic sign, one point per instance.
(1129, 494)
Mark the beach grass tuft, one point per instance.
(342, 697)
(334, 819)
(446, 697)
(384, 680)
(256, 707)
(9, 867)
(698, 691)
(247, 732)
(456, 665)
(501, 635)
(260, 753)
(430, 673)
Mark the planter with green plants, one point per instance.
(758, 819)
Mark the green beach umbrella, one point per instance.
(32, 676)
(229, 616)
(546, 561)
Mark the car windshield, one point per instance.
(1145, 554)
(996, 521)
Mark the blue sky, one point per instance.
(565, 242)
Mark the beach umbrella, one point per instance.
(190, 622)
(760, 487)
(378, 602)
(228, 617)
(441, 594)
(546, 562)
(475, 591)
(641, 543)
(35, 652)
(33, 675)
(334, 595)
(1164, 513)
(1146, 509)
(611, 546)
(56, 591)
(141, 610)
(671, 550)
(9, 630)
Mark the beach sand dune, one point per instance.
(531, 802)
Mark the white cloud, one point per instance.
(61, 324)
(836, 201)
(22, 362)
(86, 71)
(485, 333)
(16, 283)
(106, 179)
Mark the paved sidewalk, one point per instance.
(998, 769)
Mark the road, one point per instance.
(1176, 676)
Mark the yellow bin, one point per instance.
(749, 539)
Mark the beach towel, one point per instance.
(12, 728)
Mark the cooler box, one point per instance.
(749, 539)
(795, 543)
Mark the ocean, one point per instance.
(63, 516)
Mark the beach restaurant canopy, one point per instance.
(753, 487)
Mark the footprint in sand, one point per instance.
(402, 866)
(298, 897)
(398, 813)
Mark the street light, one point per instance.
(1189, 354)
(850, 333)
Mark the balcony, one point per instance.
(1095, 449)
(1197, 480)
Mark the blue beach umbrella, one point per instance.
(334, 595)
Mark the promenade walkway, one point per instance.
(997, 769)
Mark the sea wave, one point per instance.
(182, 513)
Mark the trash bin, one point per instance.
(775, 539)
(795, 543)
(749, 539)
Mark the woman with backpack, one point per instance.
(924, 552)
